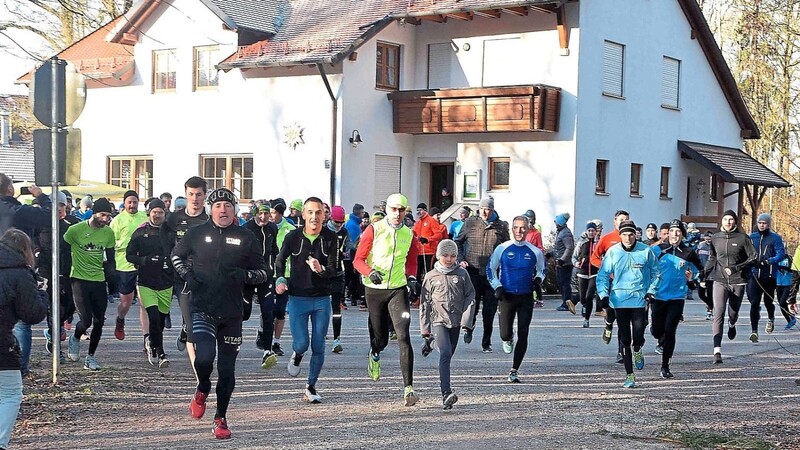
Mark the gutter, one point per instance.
(334, 134)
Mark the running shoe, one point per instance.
(91, 363)
(717, 358)
(790, 324)
(276, 348)
(74, 349)
(512, 377)
(220, 428)
(665, 373)
(393, 336)
(732, 332)
(409, 396)
(163, 362)
(374, 367)
(311, 395)
(337, 346)
(585, 323)
(152, 358)
(294, 364)
(260, 341)
(168, 322)
(487, 349)
(770, 326)
(508, 346)
(659, 349)
(119, 330)
(449, 399)
(638, 360)
(620, 359)
(630, 381)
(48, 343)
(607, 333)
(181, 341)
(268, 360)
(467, 336)
(754, 337)
(538, 304)
(571, 307)
(563, 307)
(709, 315)
(197, 406)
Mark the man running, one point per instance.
(606, 242)
(311, 257)
(387, 258)
(216, 259)
(123, 226)
(89, 241)
(515, 268)
(770, 251)
(284, 227)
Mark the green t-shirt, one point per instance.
(87, 246)
(123, 226)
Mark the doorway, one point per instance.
(442, 176)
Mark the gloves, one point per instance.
(238, 274)
(427, 347)
(559, 263)
(692, 285)
(192, 282)
(423, 240)
(375, 277)
(605, 302)
(763, 263)
(649, 298)
(498, 293)
(413, 286)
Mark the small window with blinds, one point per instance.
(439, 65)
(613, 69)
(387, 177)
(671, 83)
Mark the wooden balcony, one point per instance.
(477, 110)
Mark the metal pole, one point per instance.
(55, 336)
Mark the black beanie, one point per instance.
(221, 195)
(422, 206)
(732, 214)
(278, 204)
(102, 205)
(155, 203)
(130, 193)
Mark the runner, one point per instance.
(387, 258)
(784, 280)
(447, 300)
(650, 234)
(704, 287)
(732, 255)
(352, 280)
(88, 241)
(635, 272)
(310, 256)
(148, 253)
(562, 252)
(336, 224)
(587, 273)
(216, 259)
(296, 212)
(515, 268)
(680, 268)
(770, 251)
(284, 226)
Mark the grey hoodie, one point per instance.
(447, 299)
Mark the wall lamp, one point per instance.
(355, 139)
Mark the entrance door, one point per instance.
(442, 176)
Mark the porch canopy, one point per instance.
(732, 165)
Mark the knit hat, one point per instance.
(562, 219)
(487, 202)
(337, 213)
(130, 193)
(296, 204)
(766, 217)
(531, 216)
(397, 201)
(61, 198)
(598, 222)
(627, 226)
(102, 205)
(446, 247)
(434, 211)
(591, 226)
(155, 203)
(87, 201)
(732, 214)
(422, 206)
(679, 225)
(221, 195)
(263, 207)
(464, 210)
(651, 226)
(180, 202)
(278, 204)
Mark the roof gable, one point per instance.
(732, 164)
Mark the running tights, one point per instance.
(210, 337)
(156, 319)
(391, 306)
(630, 323)
(587, 290)
(666, 317)
(91, 302)
(756, 288)
(445, 340)
(730, 296)
(520, 307)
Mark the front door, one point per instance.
(442, 176)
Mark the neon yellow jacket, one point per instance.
(123, 226)
(389, 250)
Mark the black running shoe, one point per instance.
(732, 332)
(665, 373)
(717, 358)
(276, 348)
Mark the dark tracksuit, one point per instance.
(267, 237)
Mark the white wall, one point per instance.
(637, 129)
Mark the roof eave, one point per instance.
(498, 5)
(226, 19)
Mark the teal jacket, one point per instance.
(626, 276)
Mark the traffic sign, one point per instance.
(71, 93)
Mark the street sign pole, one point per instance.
(55, 334)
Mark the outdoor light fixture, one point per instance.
(355, 139)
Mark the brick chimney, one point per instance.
(5, 129)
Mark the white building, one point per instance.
(557, 106)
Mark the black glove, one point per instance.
(763, 263)
(605, 302)
(375, 277)
(559, 263)
(413, 285)
(192, 282)
(692, 285)
(649, 298)
(427, 347)
(238, 274)
(498, 293)
(423, 240)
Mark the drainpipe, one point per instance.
(334, 135)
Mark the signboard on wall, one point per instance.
(472, 185)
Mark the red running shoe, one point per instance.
(220, 429)
(197, 407)
(119, 330)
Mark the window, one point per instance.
(601, 177)
(132, 172)
(636, 178)
(205, 75)
(613, 65)
(499, 169)
(664, 189)
(439, 65)
(164, 65)
(670, 82)
(714, 188)
(234, 172)
(388, 66)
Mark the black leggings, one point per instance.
(391, 305)
(521, 307)
(91, 302)
(266, 303)
(705, 294)
(156, 319)
(756, 288)
(630, 323)
(666, 317)
(184, 303)
(783, 300)
(211, 335)
(66, 305)
(337, 297)
(587, 288)
(483, 294)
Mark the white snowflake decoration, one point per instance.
(293, 135)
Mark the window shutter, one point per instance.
(387, 177)
(670, 82)
(439, 63)
(613, 59)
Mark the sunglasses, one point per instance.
(338, 223)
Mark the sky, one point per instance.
(13, 61)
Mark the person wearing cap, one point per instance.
(84, 211)
(307, 261)
(278, 206)
(180, 203)
(176, 226)
(703, 251)
(336, 224)
(586, 273)
(650, 232)
(123, 226)
(455, 227)
(680, 268)
(217, 259)
(534, 235)
(296, 212)
(635, 272)
(516, 266)
(770, 251)
(387, 259)
(147, 252)
(732, 256)
(476, 242)
(447, 299)
(90, 241)
(266, 234)
(562, 250)
(429, 232)
(352, 280)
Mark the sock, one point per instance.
(717, 350)
(276, 341)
